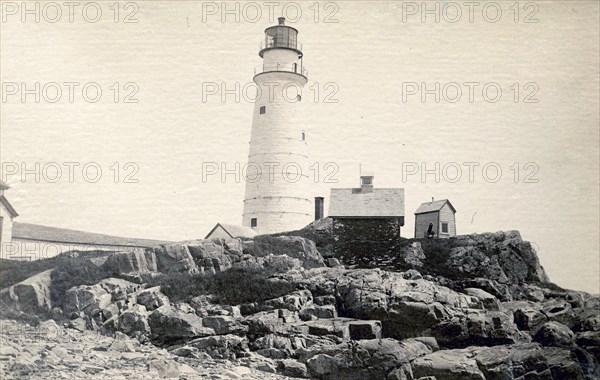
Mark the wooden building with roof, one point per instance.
(34, 242)
(435, 219)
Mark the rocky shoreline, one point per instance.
(471, 307)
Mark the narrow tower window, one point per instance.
(303, 136)
(263, 109)
(253, 222)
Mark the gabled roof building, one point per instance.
(435, 219)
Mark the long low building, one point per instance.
(34, 242)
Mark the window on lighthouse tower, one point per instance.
(253, 222)
(263, 109)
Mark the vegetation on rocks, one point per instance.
(232, 287)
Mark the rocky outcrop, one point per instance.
(472, 307)
(416, 306)
(272, 254)
(131, 262)
(293, 246)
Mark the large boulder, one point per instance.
(152, 298)
(175, 257)
(134, 323)
(554, 334)
(223, 325)
(86, 298)
(30, 295)
(170, 325)
(280, 321)
(447, 365)
(487, 300)
(527, 315)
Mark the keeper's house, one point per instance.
(365, 217)
(435, 219)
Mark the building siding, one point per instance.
(422, 224)
(447, 216)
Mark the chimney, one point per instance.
(366, 182)
(319, 202)
(281, 20)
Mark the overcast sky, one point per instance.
(372, 61)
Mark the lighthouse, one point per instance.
(277, 180)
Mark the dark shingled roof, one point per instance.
(62, 235)
(433, 206)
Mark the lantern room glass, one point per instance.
(281, 36)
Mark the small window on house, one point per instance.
(303, 136)
(263, 109)
(444, 228)
(253, 222)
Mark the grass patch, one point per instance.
(14, 271)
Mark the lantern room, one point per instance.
(281, 36)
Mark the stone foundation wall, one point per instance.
(356, 238)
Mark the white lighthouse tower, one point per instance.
(277, 178)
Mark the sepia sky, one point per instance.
(372, 61)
